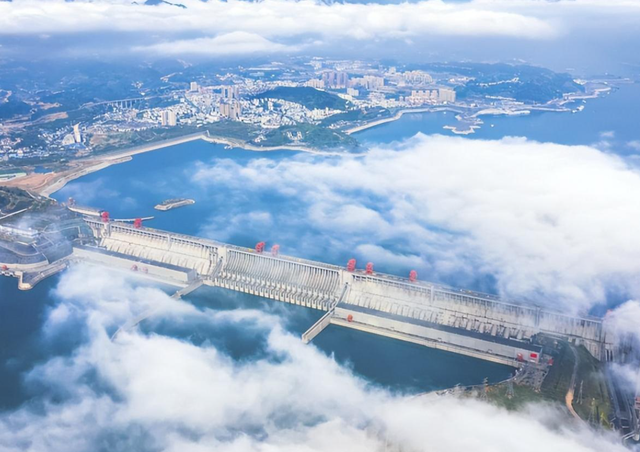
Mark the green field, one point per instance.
(594, 387)
(15, 199)
(595, 396)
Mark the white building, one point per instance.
(416, 78)
(169, 118)
(446, 95)
(76, 133)
(315, 83)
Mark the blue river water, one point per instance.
(611, 116)
(131, 190)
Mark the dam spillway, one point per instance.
(434, 315)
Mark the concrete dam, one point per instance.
(460, 321)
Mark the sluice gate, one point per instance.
(279, 279)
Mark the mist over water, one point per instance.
(242, 216)
(21, 317)
(27, 342)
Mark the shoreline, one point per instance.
(397, 116)
(49, 183)
(481, 112)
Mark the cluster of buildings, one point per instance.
(233, 98)
(431, 96)
(10, 148)
(391, 83)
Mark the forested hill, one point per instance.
(307, 96)
(521, 82)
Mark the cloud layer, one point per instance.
(155, 392)
(549, 222)
(234, 43)
(271, 18)
(529, 30)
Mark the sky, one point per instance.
(583, 35)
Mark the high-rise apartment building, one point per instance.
(417, 78)
(230, 92)
(446, 95)
(335, 79)
(230, 110)
(315, 83)
(169, 118)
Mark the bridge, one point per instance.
(429, 314)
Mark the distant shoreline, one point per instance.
(49, 183)
(397, 116)
(458, 110)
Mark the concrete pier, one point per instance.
(187, 290)
(317, 327)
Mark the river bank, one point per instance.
(396, 117)
(468, 124)
(470, 115)
(49, 183)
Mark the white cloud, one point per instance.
(635, 145)
(551, 222)
(250, 223)
(625, 320)
(273, 18)
(379, 254)
(234, 43)
(623, 324)
(154, 392)
(88, 192)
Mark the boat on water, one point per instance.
(173, 203)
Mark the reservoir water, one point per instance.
(610, 116)
(243, 217)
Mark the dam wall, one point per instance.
(473, 312)
(476, 345)
(290, 280)
(172, 249)
(321, 286)
(154, 270)
(280, 279)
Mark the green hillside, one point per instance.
(309, 97)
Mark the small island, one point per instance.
(173, 203)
